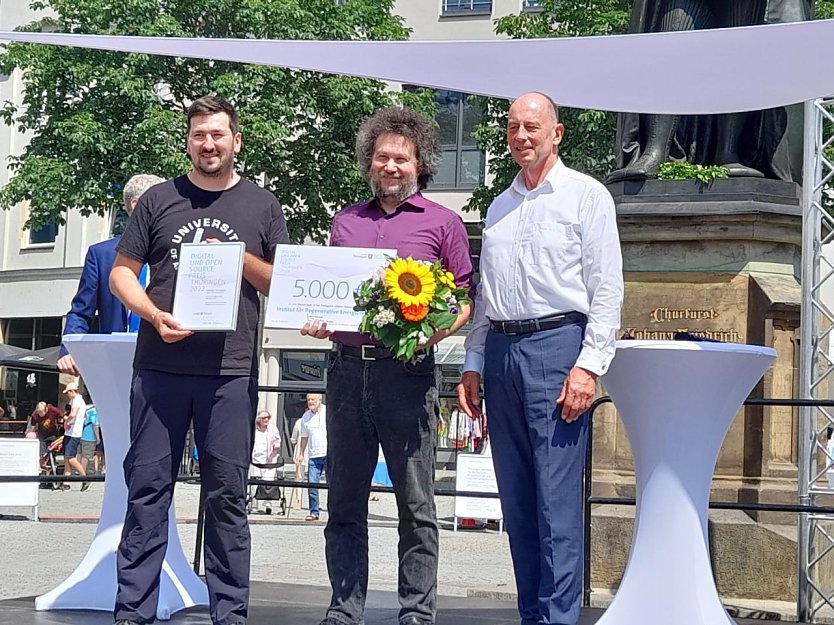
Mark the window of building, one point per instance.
(462, 163)
(43, 235)
(467, 7)
(119, 221)
(531, 5)
(309, 370)
(29, 387)
(475, 230)
(31, 333)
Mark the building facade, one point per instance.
(39, 269)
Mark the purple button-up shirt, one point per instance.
(418, 228)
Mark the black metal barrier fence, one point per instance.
(589, 499)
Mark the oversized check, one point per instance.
(314, 283)
(207, 292)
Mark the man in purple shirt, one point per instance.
(377, 399)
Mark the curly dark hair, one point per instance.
(405, 122)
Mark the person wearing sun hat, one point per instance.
(376, 398)
(73, 427)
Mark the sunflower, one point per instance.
(447, 278)
(409, 282)
(414, 313)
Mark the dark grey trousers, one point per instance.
(393, 404)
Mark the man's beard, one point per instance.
(222, 169)
(405, 190)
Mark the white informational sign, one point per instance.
(19, 456)
(313, 283)
(475, 473)
(207, 292)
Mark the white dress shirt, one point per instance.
(553, 249)
(314, 429)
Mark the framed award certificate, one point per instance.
(207, 291)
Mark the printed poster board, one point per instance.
(19, 456)
(475, 473)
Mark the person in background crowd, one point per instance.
(89, 440)
(73, 428)
(93, 300)
(313, 443)
(265, 450)
(45, 422)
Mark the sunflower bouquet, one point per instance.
(406, 302)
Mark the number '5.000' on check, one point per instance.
(312, 283)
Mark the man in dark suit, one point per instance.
(93, 297)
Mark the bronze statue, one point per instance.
(759, 143)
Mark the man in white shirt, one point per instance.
(313, 439)
(546, 315)
(73, 428)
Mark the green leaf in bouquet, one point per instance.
(426, 328)
(389, 335)
(407, 335)
(442, 320)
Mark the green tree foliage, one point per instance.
(590, 135)
(95, 118)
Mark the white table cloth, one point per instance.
(106, 362)
(676, 400)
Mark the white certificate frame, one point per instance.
(323, 264)
(196, 301)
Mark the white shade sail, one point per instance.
(686, 72)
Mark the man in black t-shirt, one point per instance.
(180, 376)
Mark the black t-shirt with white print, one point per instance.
(176, 212)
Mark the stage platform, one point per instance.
(293, 604)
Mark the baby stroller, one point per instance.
(49, 460)
(269, 494)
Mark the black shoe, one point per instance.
(124, 621)
(85, 486)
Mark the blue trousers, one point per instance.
(315, 468)
(539, 461)
(162, 406)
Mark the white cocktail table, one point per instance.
(106, 362)
(676, 400)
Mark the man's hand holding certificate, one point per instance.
(311, 283)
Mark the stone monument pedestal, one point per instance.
(722, 261)
(719, 260)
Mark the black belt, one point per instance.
(527, 326)
(364, 352)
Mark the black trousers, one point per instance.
(393, 404)
(162, 406)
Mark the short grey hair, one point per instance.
(136, 186)
(407, 123)
(264, 413)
